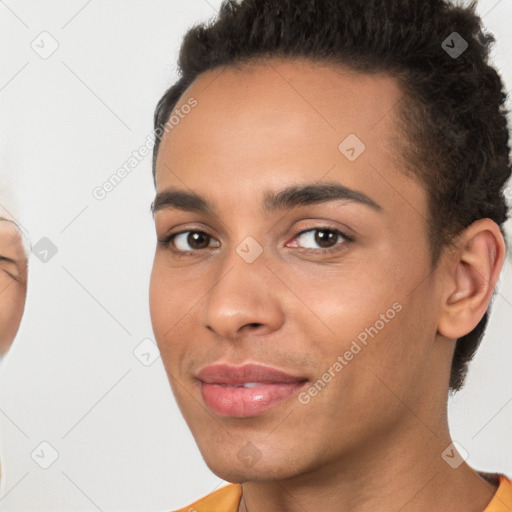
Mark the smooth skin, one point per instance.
(372, 439)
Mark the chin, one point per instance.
(232, 469)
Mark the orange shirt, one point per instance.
(227, 499)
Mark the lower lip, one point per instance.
(240, 402)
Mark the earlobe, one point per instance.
(472, 275)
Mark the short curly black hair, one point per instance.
(453, 108)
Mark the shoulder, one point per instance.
(502, 501)
(225, 499)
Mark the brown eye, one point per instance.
(198, 240)
(324, 238)
(189, 241)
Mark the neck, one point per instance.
(405, 471)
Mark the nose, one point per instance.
(244, 297)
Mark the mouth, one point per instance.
(248, 390)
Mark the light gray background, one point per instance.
(71, 378)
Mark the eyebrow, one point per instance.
(287, 198)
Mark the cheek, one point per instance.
(171, 302)
(393, 365)
(369, 319)
(156, 298)
(346, 305)
(12, 302)
(374, 300)
(162, 303)
(161, 307)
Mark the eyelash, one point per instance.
(167, 240)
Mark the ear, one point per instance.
(472, 272)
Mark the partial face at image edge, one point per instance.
(13, 281)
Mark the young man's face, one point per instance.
(13, 285)
(369, 304)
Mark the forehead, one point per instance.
(272, 124)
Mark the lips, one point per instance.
(248, 390)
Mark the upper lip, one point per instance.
(232, 375)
